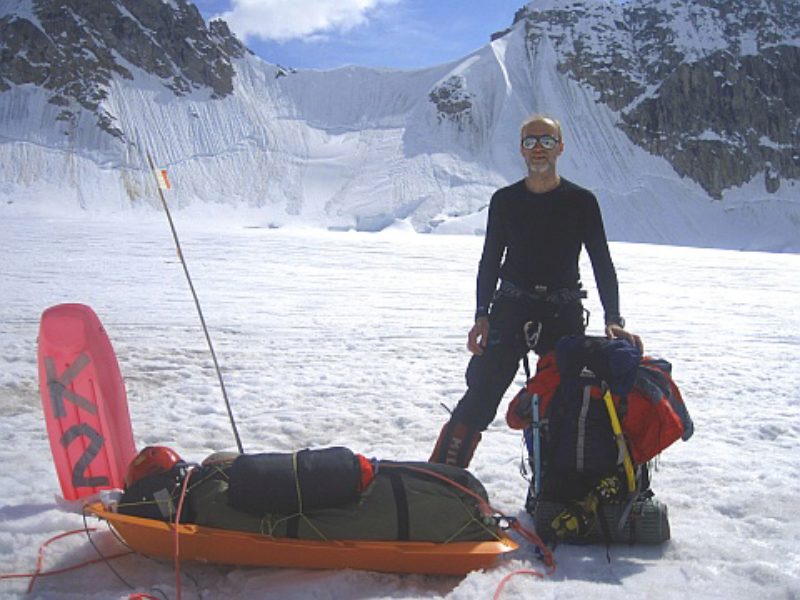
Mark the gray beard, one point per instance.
(540, 168)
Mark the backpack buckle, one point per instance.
(532, 331)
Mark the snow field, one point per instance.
(356, 339)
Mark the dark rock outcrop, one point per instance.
(73, 48)
(453, 102)
(713, 86)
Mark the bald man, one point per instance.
(535, 232)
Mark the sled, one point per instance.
(208, 544)
(84, 402)
(91, 438)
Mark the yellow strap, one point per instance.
(297, 483)
(623, 447)
(267, 521)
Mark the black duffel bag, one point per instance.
(268, 483)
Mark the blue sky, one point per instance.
(325, 34)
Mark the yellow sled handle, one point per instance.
(623, 447)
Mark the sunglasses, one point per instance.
(548, 142)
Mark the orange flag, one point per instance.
(163, 179)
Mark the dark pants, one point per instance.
(490, 374)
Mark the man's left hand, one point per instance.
(615, 331)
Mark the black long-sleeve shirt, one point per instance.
(536, 239)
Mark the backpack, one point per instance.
(157, 496)
(578, 448)
(578, 445)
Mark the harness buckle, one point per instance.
(532, 331)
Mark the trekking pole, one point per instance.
(537, 446)
(196, 303)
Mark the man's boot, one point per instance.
(456, 444)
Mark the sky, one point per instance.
(325, 34)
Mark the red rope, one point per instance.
(530, 535)
(38, 572)
(40, 557)
(75, 567)
(177, 534)
(64, 569)
(510, 575)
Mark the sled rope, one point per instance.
(135, 595)
(38, 572)
(177, 537)
(86, 529)
(197, 304)
(487, 509)
(296, 474)
(508, 576)
(300, 512)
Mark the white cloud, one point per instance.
(282, 20)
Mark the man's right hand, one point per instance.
(478, 336)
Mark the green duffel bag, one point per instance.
(404, 502)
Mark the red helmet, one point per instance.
(150, 461)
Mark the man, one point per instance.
(534, 235)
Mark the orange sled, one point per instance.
(91, 438)
(208, 544)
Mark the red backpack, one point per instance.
(653, 415)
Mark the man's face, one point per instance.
(538, 159)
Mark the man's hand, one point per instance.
(616, 331)
(478, 336)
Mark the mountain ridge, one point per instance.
(362, 148)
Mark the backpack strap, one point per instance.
(601, 517)
(401, 505)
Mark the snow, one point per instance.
(356, 339)
(769, 143)
(330, 336)
(23, 9)
(358, 148)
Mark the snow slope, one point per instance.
(356, 339)
(359, 148)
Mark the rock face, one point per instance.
(673, 103)
(713, 86)
(73, 48)
(453, 102)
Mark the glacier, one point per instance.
(366, 149)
